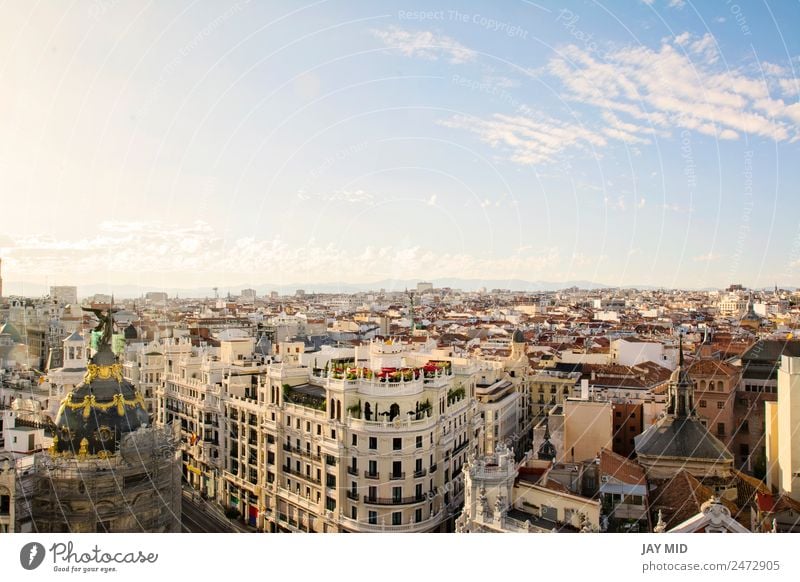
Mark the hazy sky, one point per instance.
(195, 143)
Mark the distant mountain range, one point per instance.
(132, 291)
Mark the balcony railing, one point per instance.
(461, 447)
(365, 526)
(301, 452)
(352, 495)
(369, 475)
(394, 500)
(420, 473)
(352, 471)
(397, 476)
(302, 476)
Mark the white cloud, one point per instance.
(680, 85)
(705, 47)
(676, 3)
(425, 44)
(198, 255)
(773, 69)
(528, 140)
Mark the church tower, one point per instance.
(681, 389)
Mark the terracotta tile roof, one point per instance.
(620, 468)
(709, 367)
(681, 497)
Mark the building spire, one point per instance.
(680, 350)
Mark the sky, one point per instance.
(176, 144)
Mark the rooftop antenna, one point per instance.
(216, 292)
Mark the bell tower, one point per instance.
(681, 390)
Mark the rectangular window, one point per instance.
(397, 468)
(355, 440)
(289, 421)
(330, 480)
(333, 433)
(702, 404)
(373, 443)
(720, 405)
(721, 429)
(397, 518)
(373, 517)
(397, 444)
(373, 467)
(330, 504)
(744, 449)
(354, 513)
(418, 515)
(418, 491)
(418, 465)
(419, 442)
(397, 494)
(373, 492)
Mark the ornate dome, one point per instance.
(130, 332)
(93, 418)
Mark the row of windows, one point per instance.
(704, 404)
(397, 442)
(760, 388)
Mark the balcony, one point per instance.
(303, 452)
(397, 476)
(353, 495)
(429, 524)
(433, 468)
(352, 471)
(302, 476)
(394, 500)
(420, 473)
(460, 447)
(369, 475)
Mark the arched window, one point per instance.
(702, 385)
(720, 387)
(367, 411)
(394, 411)
(333, 408)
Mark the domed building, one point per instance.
(130, 332)
(750, 319)
(679, 440)
(108, 469)
(94, 417)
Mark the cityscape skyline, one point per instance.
(124, 292)
(329, 142)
